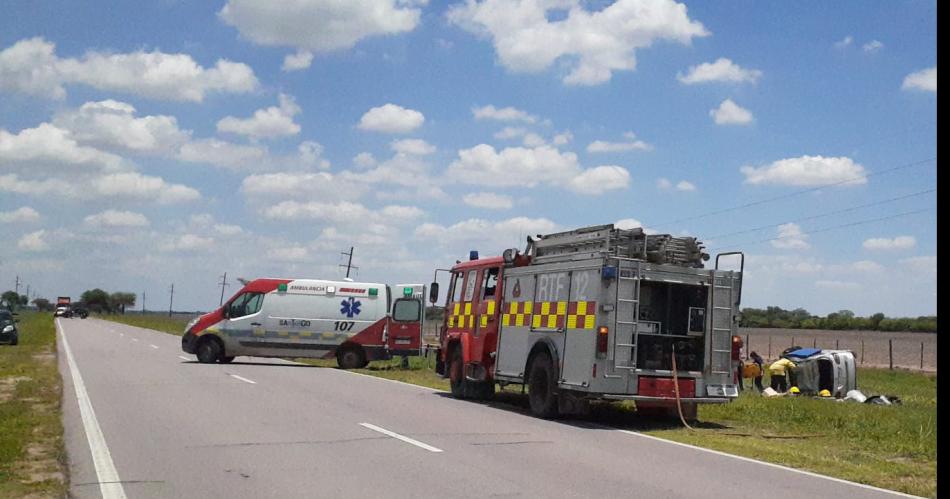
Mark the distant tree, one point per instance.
(96, 300)
(120, 300)
(42, 304)
(10, 299)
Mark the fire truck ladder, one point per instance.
(723, 301)
(625, 317)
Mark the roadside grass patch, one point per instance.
(32, 451)
(174, 324)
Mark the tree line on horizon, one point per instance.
(799, 318)
(95, 300)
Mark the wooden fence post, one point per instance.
(793, 342)
(748, 348)
(814, 342)
(921, 355)
(890, 353)
(836, 345)
(862, 351)
(770, 347)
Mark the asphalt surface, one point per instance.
(265, 428)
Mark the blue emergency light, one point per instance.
(608, 272)
(473, 255)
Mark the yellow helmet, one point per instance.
(794, 389)
(824, 393)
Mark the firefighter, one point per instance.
(737, 360)
(757, 360)
(778, 372)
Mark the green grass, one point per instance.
(892, 447)
(157, 321)
(32, 452)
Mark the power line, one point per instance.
(827, 229)
(798, 193)
(822, 215)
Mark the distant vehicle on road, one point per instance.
(62, 306)
(355, 322)
(78, 311)
(8, 329)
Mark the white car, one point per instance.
(60, 311)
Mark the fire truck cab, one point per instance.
(594, 313)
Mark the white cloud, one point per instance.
(115, 218)
(364, 160)
(923, 264)
(13, 183)
(288, 254)
(925, 80)
(222, 153)
(790, 236)
(410, 175)
(303, 185)
(111, 124)
(510, 132)
(485, 235)
(297, 61)
(415, 147)
(340, 212)
(562, 138)
(897, 243)
(599, 179)
(228, 229)
(400, 214)
(34, 241)
(47, 148)
(633, 223)
(31, 66)
(721, 71)
(275, 121)
(136, 186)
(23, 214)
(867, 266)
(188, 243)
(488, 200)
(730, 113)
(513, 166)
(844, 42)
(872, 46)
(318, 25)
(390, 118)
(631, 144)
(807, 171)
(664, 184)
(533, 140)
(837, 285)
(490, 112)
(592, 44)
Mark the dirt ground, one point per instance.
(871, 348)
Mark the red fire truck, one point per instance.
(593, 313)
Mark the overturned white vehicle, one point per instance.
(816, 370)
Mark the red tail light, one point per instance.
(602, 339)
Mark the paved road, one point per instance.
(176, 428)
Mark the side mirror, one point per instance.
(433, 292)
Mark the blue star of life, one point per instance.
(350, 307)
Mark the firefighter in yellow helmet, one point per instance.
(824, 393)
(794, 390)
(778, 372)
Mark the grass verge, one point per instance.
(892, 447)
(32, 452)
(160, 322)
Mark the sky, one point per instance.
(146, 144)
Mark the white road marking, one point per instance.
(773, 465)
(182, 357)
(121, 334)
(401, 437)
(109, 484)
(153, 346)
(235, 376)
(135, 339)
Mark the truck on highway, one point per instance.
(593, 313)
(62, 306)
(354, 322)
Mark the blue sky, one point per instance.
(142, 145)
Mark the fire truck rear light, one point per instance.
(602, 339)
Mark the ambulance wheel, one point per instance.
(226, 360)
(541, 387)
(209, 350)
(351, 358)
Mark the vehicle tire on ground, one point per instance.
(542, 387)
(209, 350)
(456, 370)
(226, 359)
(351, 357)
(15, 340)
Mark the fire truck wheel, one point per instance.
(226, 360)
(351, 358)
(541, 387)
(457, 374)
(209, 350)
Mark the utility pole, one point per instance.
(171, 297)
(223, 283)
(143, 302)
(349, 261)
(17, 286)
